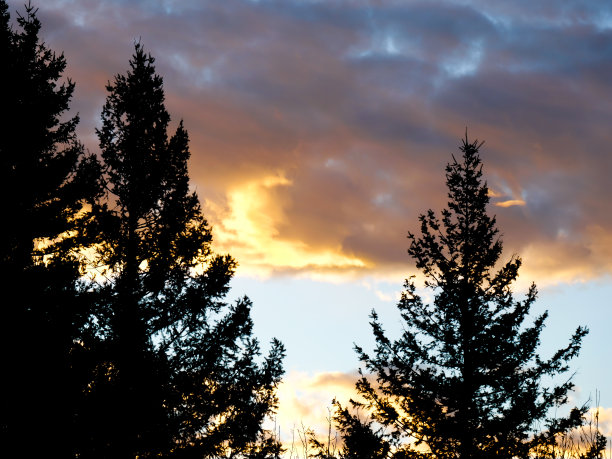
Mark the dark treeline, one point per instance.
(117, 340)
(147, 359)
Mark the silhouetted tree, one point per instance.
(361, 439)
(464, 380)
(46, 182)
(179, 374)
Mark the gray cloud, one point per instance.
(360, 104)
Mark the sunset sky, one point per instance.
(320, 130)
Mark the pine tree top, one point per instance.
(465, 377)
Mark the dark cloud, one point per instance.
(357, 106)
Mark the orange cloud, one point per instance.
(567, 261)
(510, 203)
(248, 227)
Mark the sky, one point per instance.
(320, 130)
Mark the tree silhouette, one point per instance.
(179, 372)
(361, 439)
(464, 380)
(46, 180)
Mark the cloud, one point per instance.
(248, 226)
(568, 261)
(510, 203)
(604, 416)
(305, 401)
(320, 130)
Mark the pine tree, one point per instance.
(46, 184)
(360, 438)
(180, 372)
(464, 380)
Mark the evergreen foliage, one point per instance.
(465, 380)
(179, 373)
(47, 186)
(152, 361)
(362, 440)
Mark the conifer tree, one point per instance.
(464, 379)
(46, 184)
(181, 372)
(360, 438)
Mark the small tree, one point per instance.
(178, 374)
(46, 182)
(361, 439)
(464, 380)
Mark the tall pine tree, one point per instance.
(179, 374)
(47, 186)
(465, 380)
